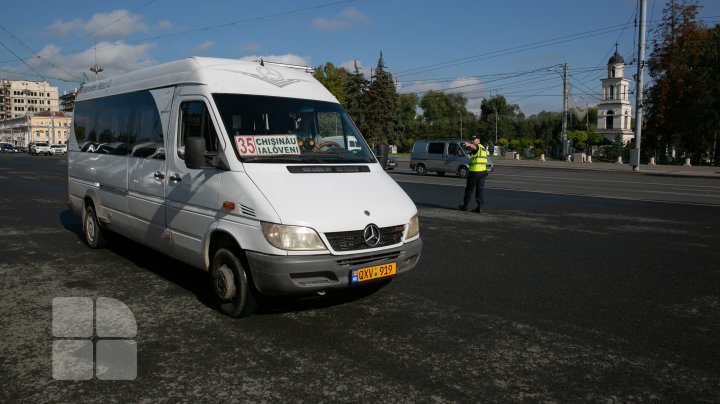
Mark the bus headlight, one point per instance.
(413, 227)
(294, 238)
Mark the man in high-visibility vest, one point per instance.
(477, 172)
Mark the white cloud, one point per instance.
(350, 66)
(63, 29)
(249, 47)
(465, 84)
(419, 87)
(115, 24)
(323, 24)
(287, 58)
(204, 47)
(115, 58)
(344, 21)
(164, 24)
(355, 15)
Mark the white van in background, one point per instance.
(229, 166)
(348, 142)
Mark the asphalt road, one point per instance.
(546, 297)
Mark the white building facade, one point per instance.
(614, 109)
(22, 97)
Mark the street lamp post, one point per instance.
(496, 118)
(461, 125)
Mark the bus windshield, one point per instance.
(286, 130)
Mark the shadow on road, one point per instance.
(197, 281)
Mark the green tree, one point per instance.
(508, 117)
(334, 79)
(704, 102)
(446, 114)
(408, 122)
(381, 109)
(356, 99)
(676, 56)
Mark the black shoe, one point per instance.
(463, 208)
(478, 210)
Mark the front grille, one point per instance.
(367, 259)
(353, 240)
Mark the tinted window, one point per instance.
(119, 124)
(436, 148)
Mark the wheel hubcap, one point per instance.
(224, 283)
(90, 228)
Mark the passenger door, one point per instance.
(147, 167)
(436, 156)
(453, 160)
(192, 194)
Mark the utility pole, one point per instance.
(635, 156)
(495, 108)
(563, 133)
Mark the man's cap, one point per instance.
(473, 137)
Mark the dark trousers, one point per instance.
(475, 183)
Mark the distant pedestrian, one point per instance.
(477, 172)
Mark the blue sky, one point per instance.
(477, 48)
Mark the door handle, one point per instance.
(159, 175)
(175, 177)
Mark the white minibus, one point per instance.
(222, 164)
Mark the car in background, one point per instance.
(20, 149)
(58, 148)
(442, 156)
(39, 148)
(391, 162)
(6, 148)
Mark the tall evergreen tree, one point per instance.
(356, 99)
(381, 111)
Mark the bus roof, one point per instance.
(219, 75)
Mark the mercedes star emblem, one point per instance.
(371, 235)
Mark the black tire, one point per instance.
(440, 173)
(230, 285)
(94, 234)
(420, 169)
(462, 172)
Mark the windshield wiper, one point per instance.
(274, 159)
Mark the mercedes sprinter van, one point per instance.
(249, 170)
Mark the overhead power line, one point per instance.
(223, 26)
(511, 50)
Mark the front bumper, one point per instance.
(293, 274)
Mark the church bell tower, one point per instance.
(614, 109)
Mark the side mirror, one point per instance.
(195, 152)
(382, 156)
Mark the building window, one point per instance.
(612, 72)
(609, 119)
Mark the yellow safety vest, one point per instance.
(478, 160)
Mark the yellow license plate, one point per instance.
(378, 271)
